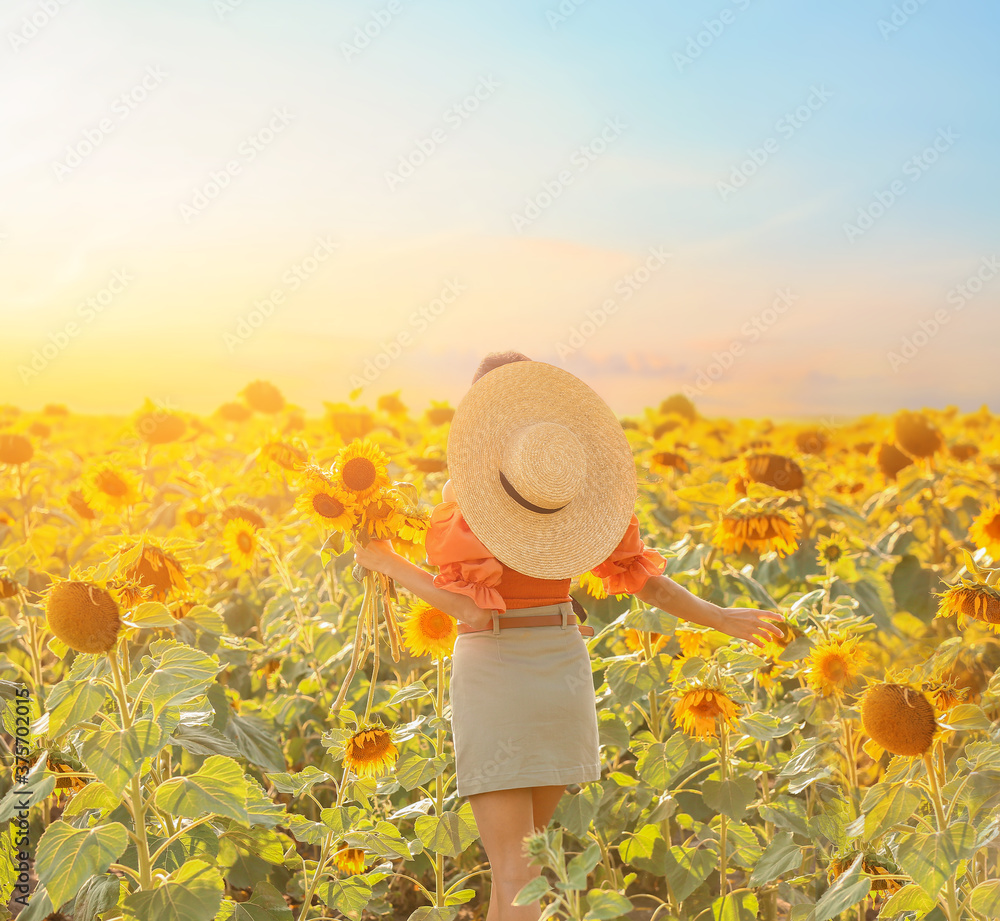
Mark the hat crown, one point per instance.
(546, 464)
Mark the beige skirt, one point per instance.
(523, 706)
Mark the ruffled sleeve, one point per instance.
(630, 564)
(464, 564)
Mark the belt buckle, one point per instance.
(496, 622)
(565, 617)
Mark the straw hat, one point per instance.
(541, 469)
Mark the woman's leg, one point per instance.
(544, 801)
(505, 819)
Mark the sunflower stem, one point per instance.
(951, 908)
(373, 614)
(724, 767)
(36, 662)
(439, 782)
(654, 713)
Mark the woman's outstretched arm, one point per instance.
(744, 623)
(379, 556)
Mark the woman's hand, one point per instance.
(378, 555)
(749, 624)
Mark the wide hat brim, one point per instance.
(577, 537)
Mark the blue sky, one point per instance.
(551, 77)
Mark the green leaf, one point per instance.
(629, 680)
(261, 842)
(531, 891)
(193, 892)
(152, 614)
(206, 618)
(985, 898)
(912, 587)
(297, 784)
(460, 897)
(266, 904)
(449, 833)
(604, 905)
(430, 913)
(177, 673)
(929, 858)
(688, 868)
(68, 856)
(94, 795)
(965, 717)
(910, 898)
(661, 762)
(217, 787)
(579, 868)
(116, 756)
(577, 810)
(412, 691)
(731, 796)
(413, 769)
(885, 808)
(781, 856)
(646, 849)
(847, 890)
(37, 784)
(349, 895)
(97, 894)
(203, 740)
(612, 729)
(68, 703)
(257, 740)
(740, 906)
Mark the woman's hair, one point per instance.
(495, 359)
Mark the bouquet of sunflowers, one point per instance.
(356, 499)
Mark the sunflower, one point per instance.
(880, 868)
(283, 455)
(428, 463)
(15, 449)
(774, 470)
(159, 571)
(391, 403)
(242, 511)
(83, 615)
(899, 718)
(79, 505)
(9, 587)
(812, 441)
(916, 434)
(370, 751)
(156, 427)
(963, 451)
(107, 487)
(944, 694)
(428, 631)
(634, 641)
(325, 502)
(360, 469)
(768, 674)
(263, 397)
(891, 460)
(972, 600)
(593, 585)
(680, 404)
(349, 423)
(698, 710)
(240, 541)
(668, 460)
(985, 530)
(439, 413)
(835, 664)
(692, 642)
(830, 549)
(349, 860)
(753, 525)
(381, 515)
(234, 412)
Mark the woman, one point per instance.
(543, 489)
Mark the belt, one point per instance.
(537, 620)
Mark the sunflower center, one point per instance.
(110, 483)
(327, 506)
(359, 474)
(244, 542)
(834, 669)
(372, 745)
(832, 554)
(436, 624)
(992, 528)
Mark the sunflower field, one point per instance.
(209, 712)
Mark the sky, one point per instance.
(777, 208)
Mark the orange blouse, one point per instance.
(467, 567)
